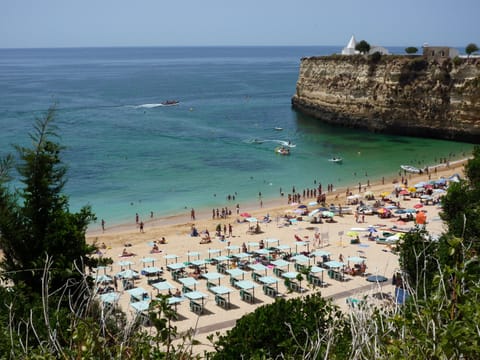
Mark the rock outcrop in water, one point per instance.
(393, 94)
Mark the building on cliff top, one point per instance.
(439, 52)
(350, 48)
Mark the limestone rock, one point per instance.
(405, 95)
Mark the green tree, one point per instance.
(411, 50)
(363, 47)
(35, 221)
(418, 260)
(461, 206)
(471, 48)
(287, 328)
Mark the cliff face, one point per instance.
(393, 94)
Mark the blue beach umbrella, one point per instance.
(377, 278)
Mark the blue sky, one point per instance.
(69, 23)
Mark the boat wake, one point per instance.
(155, 105)
(147, 106)
(281, 142)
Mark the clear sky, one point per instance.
(80, 23)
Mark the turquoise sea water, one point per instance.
(126, 153)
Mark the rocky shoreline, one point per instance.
(393, 94)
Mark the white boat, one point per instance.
(282, 151)
(410, 169)
(336, 160)
(278, 128)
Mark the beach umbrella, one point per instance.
(412, 189)
(421, 184)
(372, 229)
(251, 219)
(313, 212)
(368, 193)
(454, 178)
(404, 192)
(376, 278)
(298, 211)
(245, 214)
(328, 214)
(103, 279)
(385, 193)
(312, 203)
(127, 274)
(302, 206)
(418, 206)
(352, 233)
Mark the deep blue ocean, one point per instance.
(128, 154)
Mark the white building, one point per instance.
(350, 48)
(379, 49)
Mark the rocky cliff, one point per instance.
(393, 94)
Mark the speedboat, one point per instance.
(278, 128)
(410, 169)
(170, 102)
(336, 160)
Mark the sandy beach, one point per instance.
(334, 238)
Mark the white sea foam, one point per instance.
(148, 106)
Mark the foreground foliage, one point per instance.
(288, 328)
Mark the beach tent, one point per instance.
(421, 218)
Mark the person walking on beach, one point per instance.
(141, 226)
(136, 218)
(230, 230)
(103, 225)
(192, 214)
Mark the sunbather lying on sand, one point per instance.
(126, 253)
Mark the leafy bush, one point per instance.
(411, 50)
(286, 328)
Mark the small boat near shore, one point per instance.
(282, 150)
(336, 160)
(277, 128)
(411, 169)
(170, 102)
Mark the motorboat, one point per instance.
(170, 102)
(344, 210)
(278, 128)
(336, 160)
(411, 169)
(282, 150)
